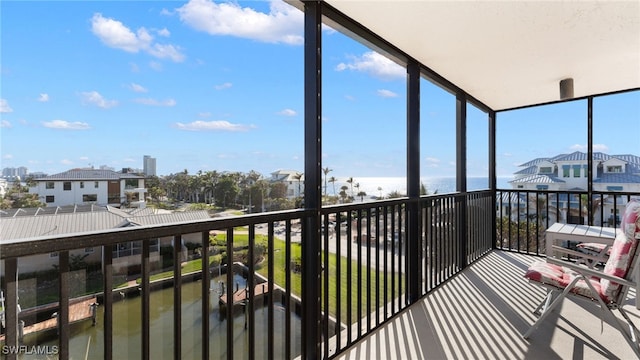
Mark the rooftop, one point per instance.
(33, 223)
(90, 174)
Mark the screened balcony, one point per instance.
(413, 277)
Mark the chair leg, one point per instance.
(548, 308)
(633, 335)
(544, 304)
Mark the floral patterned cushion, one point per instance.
(630, 222)
(560, 277)
(623, 247)
(620, 256)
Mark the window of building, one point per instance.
(90, 197)
(131, 183)
(49, 199)
(576, 170)
(53, 255)
(566, 171)
(88, 250)
(542, 187)
(520, 186)
(81, 184)
(95, 184)
(614, 188)
(614, 169)
(546, 170)
(50, 185)
(66, 185)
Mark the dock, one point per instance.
(241, 295)
(77, 312)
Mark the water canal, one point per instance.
(86, 341)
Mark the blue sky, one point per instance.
(219, 86)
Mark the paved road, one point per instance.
(345, 243)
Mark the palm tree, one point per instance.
(362, 194)
(333, 181)
(350, 181)
(343, 192)
(210, 178)
(326, 171)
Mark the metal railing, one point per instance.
(522, 216)
(365, 279)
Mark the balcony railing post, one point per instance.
(63, 308)
(492, 174)
(146, 302)
(311, 321)
(107, 273)
(461, 177)
(11, 309)
(414, 238)
(177, 297)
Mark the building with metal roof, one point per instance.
(91, 186)
(570, 172)
(32, 223)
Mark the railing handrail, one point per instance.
(12, 248)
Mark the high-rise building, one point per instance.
(15, 173)
(149, 165)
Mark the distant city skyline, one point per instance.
(201, 85)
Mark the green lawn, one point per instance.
(279, 277)
(240, 240)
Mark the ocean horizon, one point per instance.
(377, 186)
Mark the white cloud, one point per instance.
(596, 148)
(350, 97)
(219, 125)
(283, 23)
(7, 156)
(115, 34)
(65, 125)
(164, 32)
(137, 88)
(4, 106)
(374, 64)
(204, 114)
(66, 162)
(600, 148)
(94, 98)
(223, 86)
(162, 51)
(288, 112)
(166, 12)
(154, 102)
(5, 124)
(128, 160)
(432, 162)
(43, 97)
(134, 67)
(84, 158)
(386, 93)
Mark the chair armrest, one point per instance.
(577, 254)
(591, 272)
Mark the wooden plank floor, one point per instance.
(481, 314)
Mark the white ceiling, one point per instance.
(512, 53)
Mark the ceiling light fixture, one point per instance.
(566, 88)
